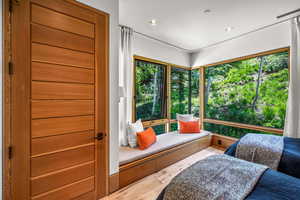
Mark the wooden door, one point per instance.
(58, 94)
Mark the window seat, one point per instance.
(164, 141)
(169, 148)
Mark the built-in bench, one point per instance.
(169, 148)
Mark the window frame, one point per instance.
(235, 124)
(168, 121)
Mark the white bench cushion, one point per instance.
(164, 141)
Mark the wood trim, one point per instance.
(136, 57)
(169, 97)
(6, 100)
(136, 170)
(202, 95)
(222, 142)
(155, 122)
(246, 57)
(113, 182)
(153, 156)
(245, 126)
(102, 110)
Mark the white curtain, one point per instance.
(126, 82)
(292, 121)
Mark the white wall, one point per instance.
(153, 49)
(112, 7)
(273, 37)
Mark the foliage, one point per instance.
(184, 92)
(229, 131)
(252, 91)
(159, 129)
(150, 90)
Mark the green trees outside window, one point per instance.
(150, 90)
(252, 91)
(247, 92)
(184, 92)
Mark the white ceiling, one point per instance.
(183, 22)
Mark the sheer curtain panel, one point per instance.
(126, 82)
(292, 122)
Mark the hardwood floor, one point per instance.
(149, 187)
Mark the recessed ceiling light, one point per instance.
(153, 22)
(228, 29)
(206, 11)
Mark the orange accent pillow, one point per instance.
(146, 138)
(189, 127)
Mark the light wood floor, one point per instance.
(149, 187)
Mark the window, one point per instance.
(231, 98)
(252, 91)
(195, 92)
(180, 91)
(184, 92)
(161, 91)
(150, 90)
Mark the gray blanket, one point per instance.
(261, 149)
(219, 177)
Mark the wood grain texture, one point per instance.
(63, 91)
(60, 21)
(149, 187)
(56, 161)
(61, 56)
(20, 102)
(222, 142)
(69, 191)
(113, 182)
(102, 105)
(136, 170)
(58, 38)
(58, 179)
(60, 73)
(59, 126)
(61, 108)
(71, 9)
(59, 142)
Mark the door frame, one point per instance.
(8, 48)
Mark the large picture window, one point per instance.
(231, 98)
(252, 91)
(150, 90)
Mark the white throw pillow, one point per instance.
(184, 118)
(132, 129)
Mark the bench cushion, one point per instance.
(164, 141)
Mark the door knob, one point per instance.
(100, 136)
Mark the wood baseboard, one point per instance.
(222, 142)
(139, 169)
(113, 182)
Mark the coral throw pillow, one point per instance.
(146, 138)
(189, 127)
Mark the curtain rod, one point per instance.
(153, 38)
(288, 13)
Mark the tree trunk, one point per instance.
(258, 82)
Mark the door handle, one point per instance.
(100, 136)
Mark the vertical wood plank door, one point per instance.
(64, 102)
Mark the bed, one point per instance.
(290, 159)
(271, 185)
